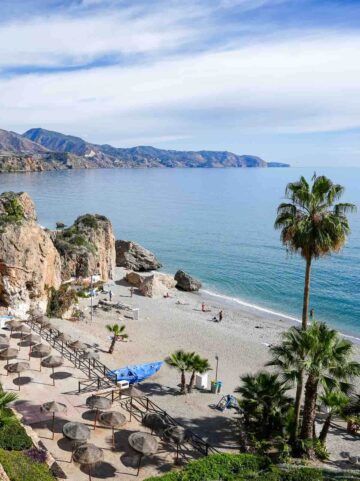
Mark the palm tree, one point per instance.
(264, 402)
(197, 365)
(335, 402)
(118, 334)
(181, 360)
(327, 362)
(312, 224)
(6, 416)
(288, 358)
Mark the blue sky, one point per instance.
(274, 78)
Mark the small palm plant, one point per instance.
(6, 416)
(197, 365)
(264, 402)
(181, 361)
(118, 334)
(335, 402)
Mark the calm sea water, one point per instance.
(216, 224)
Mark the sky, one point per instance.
(275, 78)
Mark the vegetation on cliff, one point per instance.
(12, 210)
(60, 300)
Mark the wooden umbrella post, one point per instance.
(19, 380)
(139, 465)
(96, 416)
(53, 426)
(53, 379)
(113, 437)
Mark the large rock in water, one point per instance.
(135, 257)
(185, 282)
(29, 262)
(87, 248)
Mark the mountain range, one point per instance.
(39, 149)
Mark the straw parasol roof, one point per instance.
(13, 324)
(41, 350)
(78, 346)
(42, 320)
(18, 367)
(76, 431)
(4, 343)
(98, 402)
(24, 329)
(32, 337)
(52, 361)
(112, 419)
(9, 353)
(143, 443)
(63, 337)
(88, 454)
(155, 421)
(89, 355)
(132, 392)
(53, 407)
(178, 434)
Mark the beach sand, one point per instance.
(240, 341)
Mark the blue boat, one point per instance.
(137, 372)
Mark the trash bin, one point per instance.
(213, 386)
(136, 314)
(218, 386)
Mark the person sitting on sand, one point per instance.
(166, 296)
(203, 308)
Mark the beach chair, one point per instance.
(227, 402)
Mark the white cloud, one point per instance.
(308, 85)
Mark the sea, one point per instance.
(216, 224)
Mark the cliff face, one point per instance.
(87, 248)
(29, 262)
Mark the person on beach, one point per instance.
(110, 295)
(131, 291)
(203, 307)
(220, 316)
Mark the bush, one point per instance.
(13, 437)
(238, 467)
(20, 467)
(60, 300)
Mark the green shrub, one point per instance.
(60, 300)
(20, 467)
(301, 474)
(87, 220)
(13, 437)
(14, 212)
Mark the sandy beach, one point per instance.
(240, 341)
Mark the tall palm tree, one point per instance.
(181, 361)
(288, 358)
(312, 223)
(327, 362)
(264, 402)
(118, 333)
(197, 365)
(335, 402)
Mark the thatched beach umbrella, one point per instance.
(32, 339)
(133, 393)
(63, 338)
(53, 407)
(8, 353)
(40, 350)
(88, 455)
(143, 443)
(114, 420)
(98, 403)
(13, 325)
(24, 329)
(78, 346)
(155, 421)
(178, 435)
(18, 367)
(52, 362)
(76, 432)
(90, 355)
(4, 343)
(43, 323)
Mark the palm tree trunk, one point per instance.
(191, 383)
(183, 382)
(311, 388)
(325, 429)
(305, 313)
(299, 389)
(112, 345)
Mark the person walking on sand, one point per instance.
(131, 291)
(110, 295)
(220, 316)
(203, 307)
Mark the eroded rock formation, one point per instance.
(87, 248)
(135, 257)
(185, 282)
(29, 262)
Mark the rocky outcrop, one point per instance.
(153, 287)
(134, 279)
(29, 262)
(185, 282)
(135, 257)
(87, 248)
